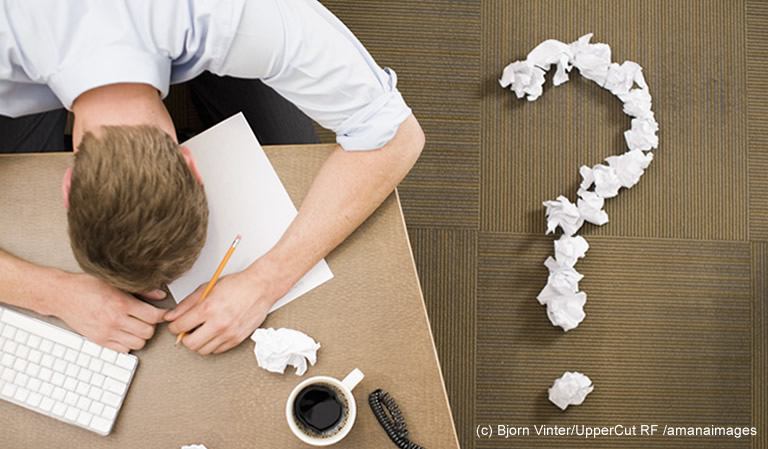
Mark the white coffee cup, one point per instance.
(346, 398)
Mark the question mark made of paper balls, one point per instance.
(561, 295)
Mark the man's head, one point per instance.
(137, 210)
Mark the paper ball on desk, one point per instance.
(570, 389)
(276, 349)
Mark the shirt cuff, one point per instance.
(371, 127)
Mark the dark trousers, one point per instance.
(274, 120)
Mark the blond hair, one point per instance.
(138, 216)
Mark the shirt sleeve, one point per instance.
(321, 67)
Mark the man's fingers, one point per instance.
(156, 295)
(190, 319)
(210, 346)
(200, 337)
(185, 305)
(122, 341)
(135, 326)
(130, 341)
(224, 347)
(145, 312)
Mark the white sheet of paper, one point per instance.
(246, 197)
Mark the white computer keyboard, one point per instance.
(61, 374)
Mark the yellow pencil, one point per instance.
(214, 278)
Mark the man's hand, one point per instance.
(235, 307)
(106, 315)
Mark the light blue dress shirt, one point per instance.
(52, 51)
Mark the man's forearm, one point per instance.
(347, 189)
(27, 285)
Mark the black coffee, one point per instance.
(319, 408)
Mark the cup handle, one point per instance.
(353, 379)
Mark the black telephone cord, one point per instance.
(391, 419)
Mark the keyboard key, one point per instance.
(9, 331)
(34, 341)
(34, 399)
(58, 350)
(108, 355)
(22, 351)
(9, 390)
(7, 360)
(96, 408)
(110, 399)
(109, 412)
(114, 386)
(82, 388)
(95, 393)
(96, 365)
(91, 348)
(83, 360)
(97, 380)
(47, 361)
(21, 379)
(21, 336)
(123, 375)
(34, 384)
(72, 370)
(57, 379)
(125, 361)
(21, 394)
(20, 364)
(85, 375)
(84, 419)
(70, 355)
(33, 370)
(46, 389)
(72, 413)
(83, 403)
(58, 393)
(70, 398)
(8, 375)
(46, 346)
(59, 408)
(101, 425)
(59, 365)
(70, 384)
(35, 356)
(10, 347)
(46, 404)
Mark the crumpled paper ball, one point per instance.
(570, 389)
(276, 349)
(523, 78)
(630, 166)
(592, 60)
(621, 78)
(570, 249)
(590, 206)
(564, 214)
(552, 52)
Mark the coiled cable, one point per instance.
(391, 418)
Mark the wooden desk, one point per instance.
(370, 316)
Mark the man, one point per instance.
(111, 63)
